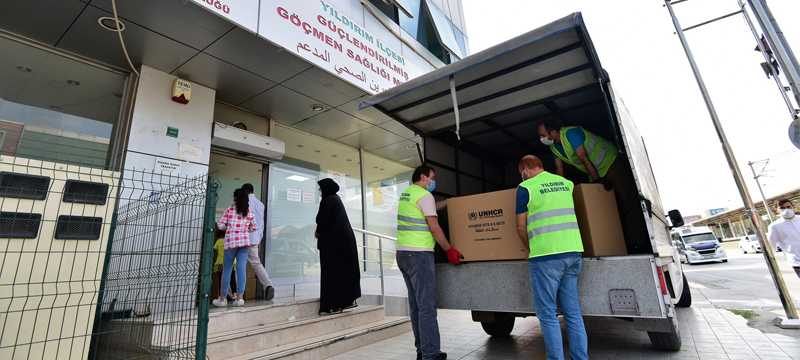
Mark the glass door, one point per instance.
(231, 173)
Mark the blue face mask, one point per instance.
(431, 186)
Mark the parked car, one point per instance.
(697, 244)
(750, 244)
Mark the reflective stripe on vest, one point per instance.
(601, 152)
(412, 227)
(552, 225)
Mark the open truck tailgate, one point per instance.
(612, 286)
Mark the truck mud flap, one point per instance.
(624, 286)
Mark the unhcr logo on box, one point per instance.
(484, 214)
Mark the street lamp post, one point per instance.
(786, 299)
(761, 190)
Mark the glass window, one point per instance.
(293, 202)
(387, 9)
(55, 108)
(411, 23)
(448, 33)
(385, 180)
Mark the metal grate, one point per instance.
(623, 302)
(18, 225)
(110, 267)
(23, 186)
(78, 227)
(85, 192)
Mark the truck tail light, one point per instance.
(662, 282)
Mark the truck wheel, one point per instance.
(686, 295)
(500, 327)
(665, 341)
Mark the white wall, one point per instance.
(154, 111)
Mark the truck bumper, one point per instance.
(625, 286)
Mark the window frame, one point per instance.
(120, 129)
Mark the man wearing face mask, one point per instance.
(598, 159)
(785, 233)
(418, 232)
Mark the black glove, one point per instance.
(606, 184)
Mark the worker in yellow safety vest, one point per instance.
(599, 159)
(547, 225)
(418, 232)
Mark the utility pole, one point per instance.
(786, 299)
(761, 190)
(780, 47)
(772, 67)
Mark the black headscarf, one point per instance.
(328, 187)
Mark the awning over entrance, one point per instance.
(502, 91)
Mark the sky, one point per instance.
(648, 68)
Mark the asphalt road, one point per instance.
(743, 283)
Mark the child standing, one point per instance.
(238, 221)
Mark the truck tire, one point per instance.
(502, 325)
(686, 295)
(670, 341)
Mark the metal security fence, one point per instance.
(96, 264)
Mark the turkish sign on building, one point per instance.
(242, 12)
(340, 36)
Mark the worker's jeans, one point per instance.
(556, 279)
(419, 272)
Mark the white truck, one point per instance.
(478, 116)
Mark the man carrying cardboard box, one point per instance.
(598, 159)
(546, 223)
(418, 231)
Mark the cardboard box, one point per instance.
(484, 226)
(598, 218)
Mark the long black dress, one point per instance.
(340, 283)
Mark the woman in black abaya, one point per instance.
(340, 283)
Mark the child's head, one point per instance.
(241, 202)
(219, 234)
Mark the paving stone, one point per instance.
(707, 334)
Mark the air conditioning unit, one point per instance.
(247, 142)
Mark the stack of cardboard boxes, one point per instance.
(484, 226)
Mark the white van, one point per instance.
(697, 244)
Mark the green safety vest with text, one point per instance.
(412, 227)
(552, 225)
(600, 152)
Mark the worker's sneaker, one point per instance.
(220, 303)
(269, 293)
(239, 302)
(441, 356)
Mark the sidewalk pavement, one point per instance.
(708, 333)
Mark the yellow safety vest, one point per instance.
(552, 225)
(412, 227)
(600, 152)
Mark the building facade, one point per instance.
(87, 100)
(735, 224)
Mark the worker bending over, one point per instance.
(598, 159)
(547, 225)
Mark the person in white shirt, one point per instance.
(257, 207)
(785, 233)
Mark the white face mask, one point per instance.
(546, 141)
(787, 213)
